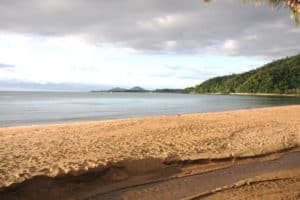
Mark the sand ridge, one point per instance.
(279, 185)
(54, 150)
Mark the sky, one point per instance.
(99, 44)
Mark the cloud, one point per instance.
(27, 85)
(231, 46)
(196, 73)
(5, 66)
(222, 27)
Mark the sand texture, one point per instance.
(54, 150)
(273, 186)
(203, 184)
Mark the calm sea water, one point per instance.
(29, 108)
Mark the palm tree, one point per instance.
(294, 5)
(295, 9)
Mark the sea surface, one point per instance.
(32, 108)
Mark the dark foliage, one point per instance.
(281, 77)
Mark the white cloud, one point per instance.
(72, 60)
(169, 21)
(230, 46)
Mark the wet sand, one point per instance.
(200, 185)
(171, 181)
(143, 145)
(275, 186)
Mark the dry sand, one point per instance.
(54, 150)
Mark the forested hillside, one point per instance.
(281, 76)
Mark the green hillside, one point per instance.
(281, 77)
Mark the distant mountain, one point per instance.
(140, 89)
(281, 77)
(136, 88)
(118, 89)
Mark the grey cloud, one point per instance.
(181, 72)
(196, 74)
(222, 27)
(2, 66)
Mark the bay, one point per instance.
(33, 108)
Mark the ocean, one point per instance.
(33, 108)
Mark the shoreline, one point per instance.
(265, 94)
(249, 94)
(142, 145)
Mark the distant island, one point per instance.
(119, 89)
(278, 77)
(140, 89)
(134, 89)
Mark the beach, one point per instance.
(135, 151)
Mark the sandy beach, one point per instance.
(144, 145)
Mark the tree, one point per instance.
(281, 76)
